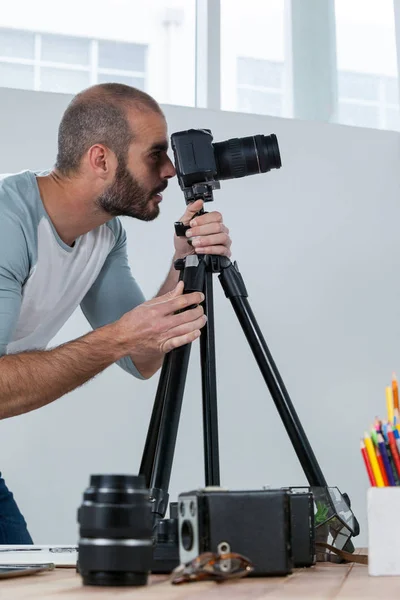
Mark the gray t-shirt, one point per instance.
(42, 280)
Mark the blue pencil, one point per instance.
(397, 437)
(384, 431)
(385, 458)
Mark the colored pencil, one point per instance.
(397, 438)
(395, 389)
(389, 404)
(367, 464)
(373, 460)
(384, 430)
(374, 436)
(392, 463)
(393, 447)
(381, 465)
(380, 448)
(386, 461)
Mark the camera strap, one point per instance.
(361, 559)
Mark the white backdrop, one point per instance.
(317, 244)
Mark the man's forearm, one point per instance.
(147, 367)
(150, 366)
(29, 380)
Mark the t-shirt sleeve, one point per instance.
(114, 293)
(14, 270)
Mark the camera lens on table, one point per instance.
(115, 535)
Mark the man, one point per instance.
(62, 246)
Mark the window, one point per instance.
(64, 49)
(252, 56)
(368, 100)
(17, 76)
(60, 63)
(259, 86)
(94, 41)
(116, 55)
(117, 59)
(63, 80)
(329, 60)
(368, 89)
(17, 44)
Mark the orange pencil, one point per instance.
(367, 464)
(395, 389)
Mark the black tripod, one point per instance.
(197, 274)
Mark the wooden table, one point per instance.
(323, 581)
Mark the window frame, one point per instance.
(92, 67)
(208, 59)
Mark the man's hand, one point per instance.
(207, 233)
(153, 328)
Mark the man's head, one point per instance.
(117, 136)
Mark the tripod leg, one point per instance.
(166, 414)
(209, 388)
(149, 452)
(235, 290)
(170, 417)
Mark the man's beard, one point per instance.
(125, 197)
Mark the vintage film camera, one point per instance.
(274, 529)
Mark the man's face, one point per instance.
(140, 180)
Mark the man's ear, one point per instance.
(102, 161)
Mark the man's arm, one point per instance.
(114, 293)
(29, 380)
(171, 280)
(32, 379)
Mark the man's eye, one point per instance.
(155, 155)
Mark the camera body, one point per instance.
(201, 164)
(194, 156)
(274, 529)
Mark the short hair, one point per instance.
(97, 115)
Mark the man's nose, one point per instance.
(169, 169)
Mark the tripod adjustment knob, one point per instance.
(179, 264)
(181, 229)
(167, 531)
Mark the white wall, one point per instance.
(317, 243)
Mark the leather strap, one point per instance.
(361, 559)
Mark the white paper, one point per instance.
(60, 556)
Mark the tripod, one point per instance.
(197, 271)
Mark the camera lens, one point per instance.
(239, 157)
(115, 544)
